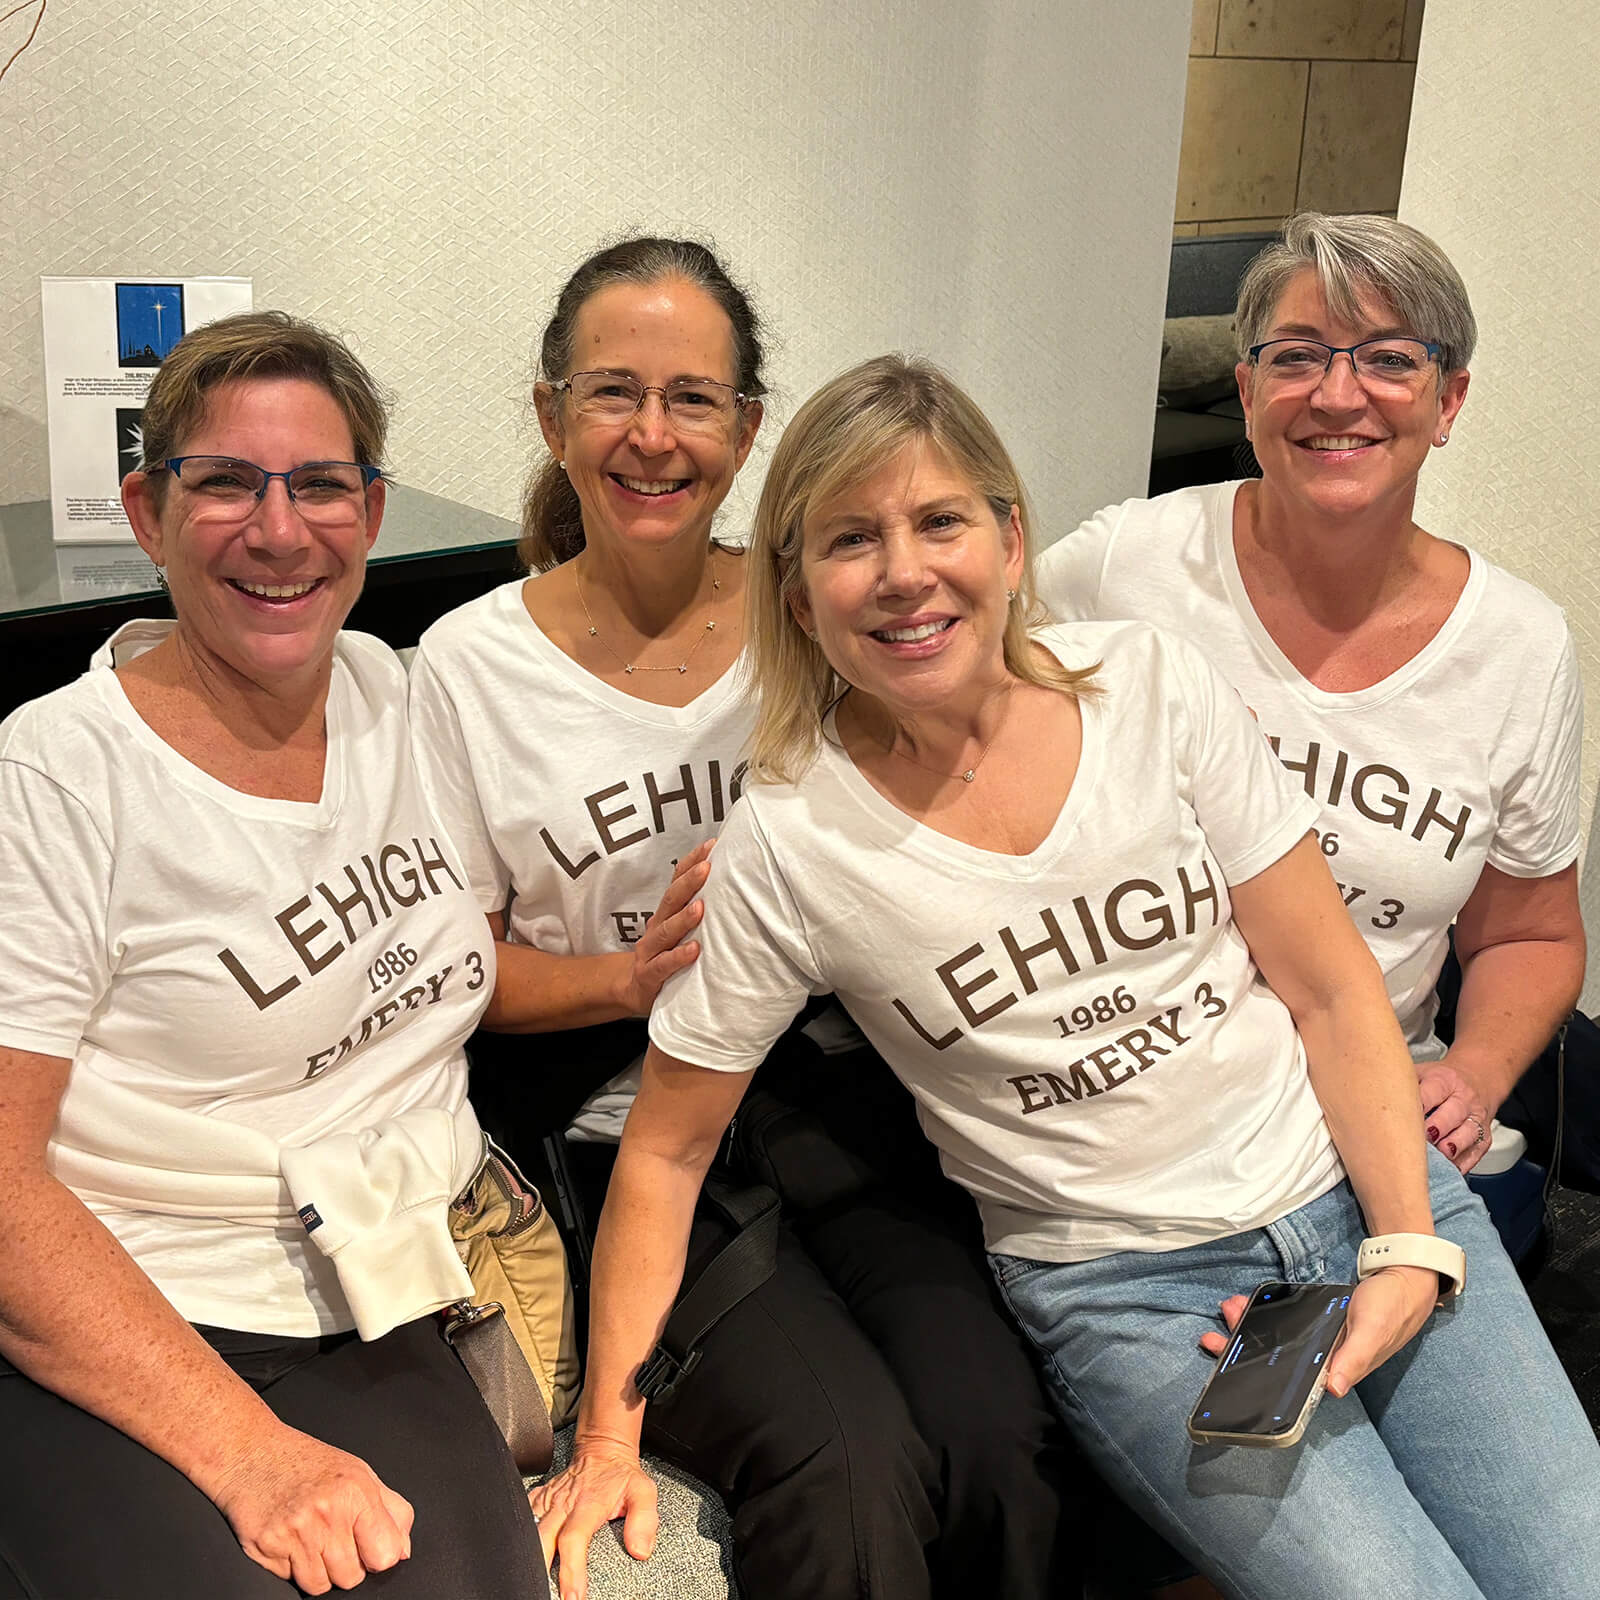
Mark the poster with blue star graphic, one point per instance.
(104, 342)
(149, 322)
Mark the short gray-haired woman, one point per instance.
(1428, 701)
(238, 966)
(1063, 887)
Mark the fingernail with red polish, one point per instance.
(1449, 1150)
(1433, 1136)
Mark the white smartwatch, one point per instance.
(1424, 1250)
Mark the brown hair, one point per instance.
(258, 344)
(552, 519)
(845, 432)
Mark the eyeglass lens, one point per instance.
(1394, 362)
(326, 491)
(691, 402)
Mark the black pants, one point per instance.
(88, 1514)
(869, 1415)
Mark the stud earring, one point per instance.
(1011, 594)
(561, 461)
(161, 580)
(1444, 438)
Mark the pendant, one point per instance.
(594, 633)
(684, 667)
(969, 774)
(627, 666)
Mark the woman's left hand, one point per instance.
(1386, 1311)
(1458, 1116)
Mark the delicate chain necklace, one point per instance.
(972, 771)
(633, 666)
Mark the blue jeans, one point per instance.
(1464, 1467)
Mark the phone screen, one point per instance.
(1287, 1332)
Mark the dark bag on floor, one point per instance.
(1556, 1105)
(1556, 1102)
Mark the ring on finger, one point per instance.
(1483, 1133)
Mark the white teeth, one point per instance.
(925, 630)
(1337, 441)
(275, 591)
(651, 485)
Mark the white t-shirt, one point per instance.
(1469, 753)
(569, 800)
(1082, 1027)
(298, 969)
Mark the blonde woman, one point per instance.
(1060, 882)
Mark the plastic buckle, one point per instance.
(661, 1372)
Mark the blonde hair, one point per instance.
(843, 434)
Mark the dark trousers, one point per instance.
(869, 1414)
(88, 1514)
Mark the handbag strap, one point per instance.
(483, 1340)
(743, 1264)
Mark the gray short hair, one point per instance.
(1362, 255)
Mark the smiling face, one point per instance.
(1337, 448)
(647, 480)
(904, 579)
(263, 594)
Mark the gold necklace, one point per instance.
(633, 666)
(972, 771)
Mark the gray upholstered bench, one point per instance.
(693, 1558)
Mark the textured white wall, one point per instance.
(989, 182)
(1505, 130)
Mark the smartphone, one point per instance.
(1268, 1380)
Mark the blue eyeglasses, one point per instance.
(322, 491)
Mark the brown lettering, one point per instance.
(1431, 814)
(659, 801)
(603, 819)
(943, 1043)
(1157, 917)
(1022, 956)
(959, 992)
(260, 998)
(1395, 813)
(300, 938)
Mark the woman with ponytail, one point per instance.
(866, 1412)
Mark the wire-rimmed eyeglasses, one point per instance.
(693, 403)
(1392, 362)
(226, 486)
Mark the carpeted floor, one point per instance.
(1565, 1290)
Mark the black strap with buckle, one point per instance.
(744, 1263)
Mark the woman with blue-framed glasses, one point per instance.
(238, 967)
(1429, 701)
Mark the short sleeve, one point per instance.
(1068, 574)
(755, 969)
(445, 768)
(1538, 830)
(1253, 811)
(55, 886)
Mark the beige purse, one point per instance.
(513, 1251)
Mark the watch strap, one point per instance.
(1426, 1250)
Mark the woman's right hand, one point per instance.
(603, 1481)
(665, 947)
(312, 1514)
